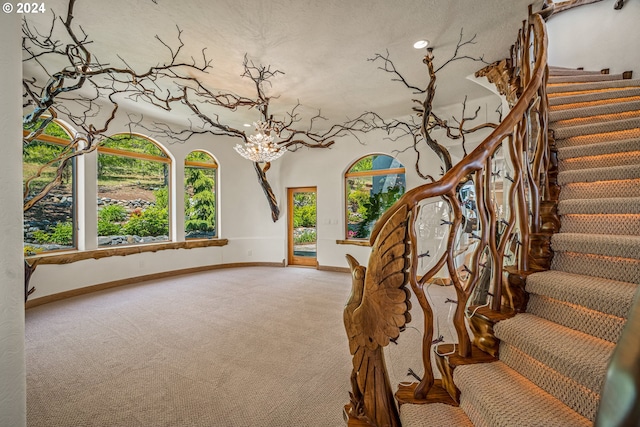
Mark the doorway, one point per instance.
(302, 222)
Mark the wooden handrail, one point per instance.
(504, 238)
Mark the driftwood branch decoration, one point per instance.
(425, 111)
(268, 192)
(28, 271)
(77, 91)
(501, 74)
(419, 128)
(288, 131)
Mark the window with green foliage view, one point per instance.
(200, 177)
(49, 224)
(373, 184)
(133, 191)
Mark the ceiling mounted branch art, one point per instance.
(418, 129)
(67, 81)
(273, 137)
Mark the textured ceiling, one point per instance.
(321, 46)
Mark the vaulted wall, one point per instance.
(12, 365)
(596, 36)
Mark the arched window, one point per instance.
(133, 191)
(50, 223)
(200, 180)
(373, 184)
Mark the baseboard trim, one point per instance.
(131, 280)
(331, 268)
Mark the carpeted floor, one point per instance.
(255, 346)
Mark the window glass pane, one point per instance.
(134, 144)
(133, 197)
(52, 129)
(365, 164)
(375, 163)
(49, 224)
(304, 224)
(200, 196)
(200, 157)
(370, 195)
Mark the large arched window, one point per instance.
(133, 191)
(373, 184)
(200, 180)
(50, 223)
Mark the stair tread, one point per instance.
(580, 78)
(598, 85)
(513, 400)
(606, 147)
(588, 161)
(613, 205)
(617, 107)
(608, 126)
(434, 414)
(599, 174)
(577, 355)
(597, 138)
(618, 224)
(611, 188)
(598, 244)
(564, 71)
(608, 267)
(592, 322)
(595, 96)
(607, 296)
(573, 394)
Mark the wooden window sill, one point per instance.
(69, 257)
(354, 242)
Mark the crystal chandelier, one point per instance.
(260, 147)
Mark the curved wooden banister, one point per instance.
(504, 233)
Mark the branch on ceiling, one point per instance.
(418, 128)
(77, 91)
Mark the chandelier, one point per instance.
(260, 147)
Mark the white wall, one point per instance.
(12, 364)
(596, 36)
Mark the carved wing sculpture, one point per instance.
(376, 313)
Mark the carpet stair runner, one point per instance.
(553, 358)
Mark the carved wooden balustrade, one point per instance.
(490, 213)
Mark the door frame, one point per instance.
(291, 258)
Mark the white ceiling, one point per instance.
(321, 46)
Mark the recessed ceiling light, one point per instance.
(421, 44)
(247, 125)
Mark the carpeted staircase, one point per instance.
(553, 358)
